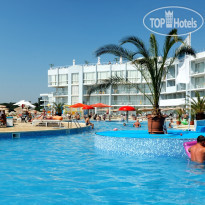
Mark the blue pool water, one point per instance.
(73, 170)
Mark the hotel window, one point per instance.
(89, 78)
(199, 67)
(199, 82)
(61, 91)
(63, 79)
(117, 73)
(170, 83)
(62, 100)
(163, 87)
(102, 76)
(52, 80)
(181, 86)
(75, 90)
(74, 100)
(75, 78)
(147, 75)
(132, 76)
(171, 72)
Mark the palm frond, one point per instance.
(138, 43)
(185, 49)
(198, 104)
(115, 50)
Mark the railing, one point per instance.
(86, 65)
(60, 93)
(88, 81)
(181, 87)
(52, 83)
(118, 91)
(195, 72)
(75, 82)
(170, 76)
(121, 102)
(198, 86)
(85, 92)
(63, 83)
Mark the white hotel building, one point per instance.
(70, 84)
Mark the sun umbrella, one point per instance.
(78, 105)
(23, 103)
(100, 105)
(88, 107)
(127, 109)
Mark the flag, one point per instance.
(183, 67)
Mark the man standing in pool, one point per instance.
(198, 150)
(88, 123)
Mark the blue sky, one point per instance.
(36, 33)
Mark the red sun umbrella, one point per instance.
(88, 107)
(126, 108)
(100, 105)
(78, 105)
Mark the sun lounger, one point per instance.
(47, 123)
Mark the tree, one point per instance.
(198, 105)
(152, 66)
(59, 108)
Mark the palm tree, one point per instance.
(179, 112)
(198, 106)
(59, 108)
(152, 66)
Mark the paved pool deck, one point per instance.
(28, 127)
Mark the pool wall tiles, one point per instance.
(45, 133)
(142, 147)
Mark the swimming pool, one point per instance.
(72, 170)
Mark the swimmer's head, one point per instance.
(200, 139)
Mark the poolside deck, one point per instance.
(26, 127)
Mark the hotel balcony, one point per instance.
(198, 86)
(181, 87)
(60, 94)
(130, 102)
(89, 82)
(119, 102)
(128, 92)
(106, 92)
(63, 83)
(52, 84)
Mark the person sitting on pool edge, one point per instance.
(198, 150)
(88, 123)
(137, 124)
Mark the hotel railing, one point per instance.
(60, 93)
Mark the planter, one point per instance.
(191, 122)
(155, 124)
(178, 122)
(200, 116)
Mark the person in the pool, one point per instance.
(198, 150)
(88, 123)
(137, 124)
